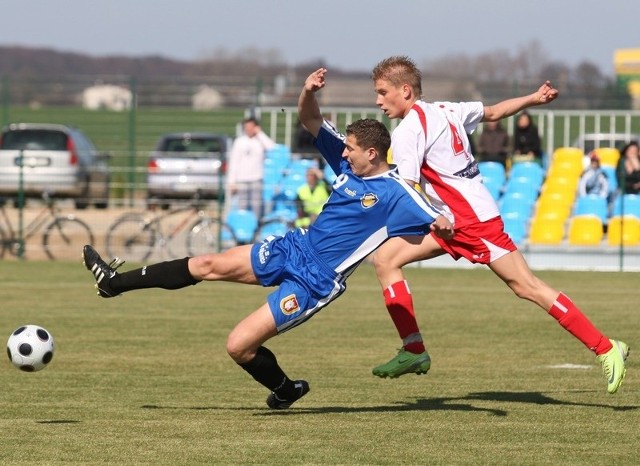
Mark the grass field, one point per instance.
(145, 378)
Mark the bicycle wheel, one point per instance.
(65, 236)
(131, 238)
(207, 235)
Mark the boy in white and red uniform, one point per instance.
(430, 147)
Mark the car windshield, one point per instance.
(191, 145)
(33, 139)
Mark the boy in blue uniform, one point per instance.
(369, 204)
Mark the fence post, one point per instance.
(131, 178)
(5, 100)
(21, 204)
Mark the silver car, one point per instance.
(186, 164)
(56, 159)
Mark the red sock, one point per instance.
(575, 322)
(397, 298)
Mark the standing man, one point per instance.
(369, 204)
(245, 172)
(429, 147)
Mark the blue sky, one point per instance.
(348, 34)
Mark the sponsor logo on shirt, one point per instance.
(470, 171)
(263, 252)
(368, 200)
(289, 305)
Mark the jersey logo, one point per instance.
(289, 305)
(368, 200)
(456, 141)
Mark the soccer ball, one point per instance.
(30, 348)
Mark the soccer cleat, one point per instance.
(302, 387)
(101, 271)
(613, 365)
(404, 362)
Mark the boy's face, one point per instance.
(359, 158)
(391, 100)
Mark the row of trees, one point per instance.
(496, 74)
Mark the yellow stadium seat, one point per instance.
(609, 156)
(549, 210)
(565, 169)
(546, 231)
(585, 230)
(623, 229)
(571, 154)
(557, 197)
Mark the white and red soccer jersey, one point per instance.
(430, 147)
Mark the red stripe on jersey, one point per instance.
(462, 211)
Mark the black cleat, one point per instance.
(302, 388)
(101, 271)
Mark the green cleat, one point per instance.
(404, 362)
(613, 365)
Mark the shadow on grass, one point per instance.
(422, 404)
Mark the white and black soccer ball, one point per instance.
(30, 348)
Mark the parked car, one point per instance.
(184, 164)
(56, 159)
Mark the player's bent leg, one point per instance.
(244, 345)
(250, 334)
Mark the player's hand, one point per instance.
(442, 227)
(315, 81)
(547, 93)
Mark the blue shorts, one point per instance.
(305, 283)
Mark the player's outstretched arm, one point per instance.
(308, 108)
(545, 94)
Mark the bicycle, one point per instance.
(61, 237)
(136, 235)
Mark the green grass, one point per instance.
(145, 378)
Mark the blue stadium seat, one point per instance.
(631, 204)
(528, 170)
(492, 171)
(243, 223)
(516, 205)
(523, 186)
(594, 205)
(515, 228)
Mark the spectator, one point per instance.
(493, 144)
(526, 140)
(594, 180)
(246, 167)
(311, 198)
(629, 169)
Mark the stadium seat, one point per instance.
(492, 170)
(564, 170)
(572, 155)
(560, 199)
(612, 178)
(585, 230)
(517, 205)
(290, 185)
(623, 230)
(279, 157)
(551, 212)
(243, 223)
(609, 156)
(529, 170)
(515, 227)
(329, 175)
(522, 186)
(544, 231)
(627, 204)
(593, 205)
(300, 166)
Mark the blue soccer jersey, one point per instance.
(363, 212)
(310, 266)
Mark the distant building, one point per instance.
(207, 98)
(106, 96)
(627, 66)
